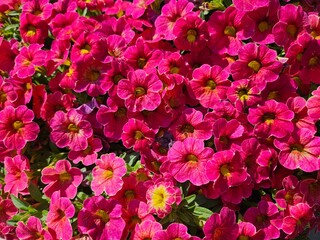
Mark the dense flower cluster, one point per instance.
(168, 119)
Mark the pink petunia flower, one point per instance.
(187, 161)
(100, 218)
(248, 231)
(32, 229)
(265, 17)
(58, 219)
(264, 217)
(299, 150)
(170, 13)
(291, 19)
(136, 213)
(62, 178)
(228, 134)
(313, 104)
(161, 196)
(89, 155)
(16, 178)
(227, 30)
(221, 225)
(107, 175)
(173, 231)
(17, 127)
(247, 5)
(191, 124)
(70, 130)
(310, 188)
(7, 211)
(257, 63)
(7, 93)
(140, 91)
(191, 33)
(271, 119)
(28, 59)
(300, 216)
(209, 84)
(146, 229)
(137, 134)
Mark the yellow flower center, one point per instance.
(103, 215)
(17, 125)
(254, 65)
(243, 94)
(191, 158)
(107, 174)
(315, 34)
(225, 170)
(292, 30)
(93, 75)
(64, 177)
(159, 197)
(211, 84)
(261, 218)
(263, 26)
(141, 62)
(129, 194)
(85, 50)
(121, 112)
(243, 237)
(230, 31)
(31, 31)
(73, 128)
(268, 118)
(273, 95)
(313, 61)
(174, 70)
(138, 135)
(187, 128)
(191, 35)
(139, 91)
(296, 147)
(117, 78)
(3, 97)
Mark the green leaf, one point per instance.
(190, 198)
(35, 193)
(82, 196)
(202, 213)
(19, 203)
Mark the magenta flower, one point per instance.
(113, 118)
(107, 175)
(140, 91)
(17, 127)
(7, 211)
(16, 178)
(187, 161)
(300, 216)
(247, 5)
(32, 230)
(209, 84)
(310, 188)
(100, 218)
(191, 124)
(264, 217)
(313, 104)
(290, 195)
(28, 59)
(146, 230)
(89, 155)
(228, 134)
(227, 30)
(291, 19)
(299, 150)
(191, 33)
(62, 178)
(33, 29)
(137, 134)
(58, 219)
(170, 13)
(310, 63)
(70, 130)
(226, 169)
(258, 63)
(161, 196)
(173, 231)
(271, 119)
(248, 231)
(221, 225)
